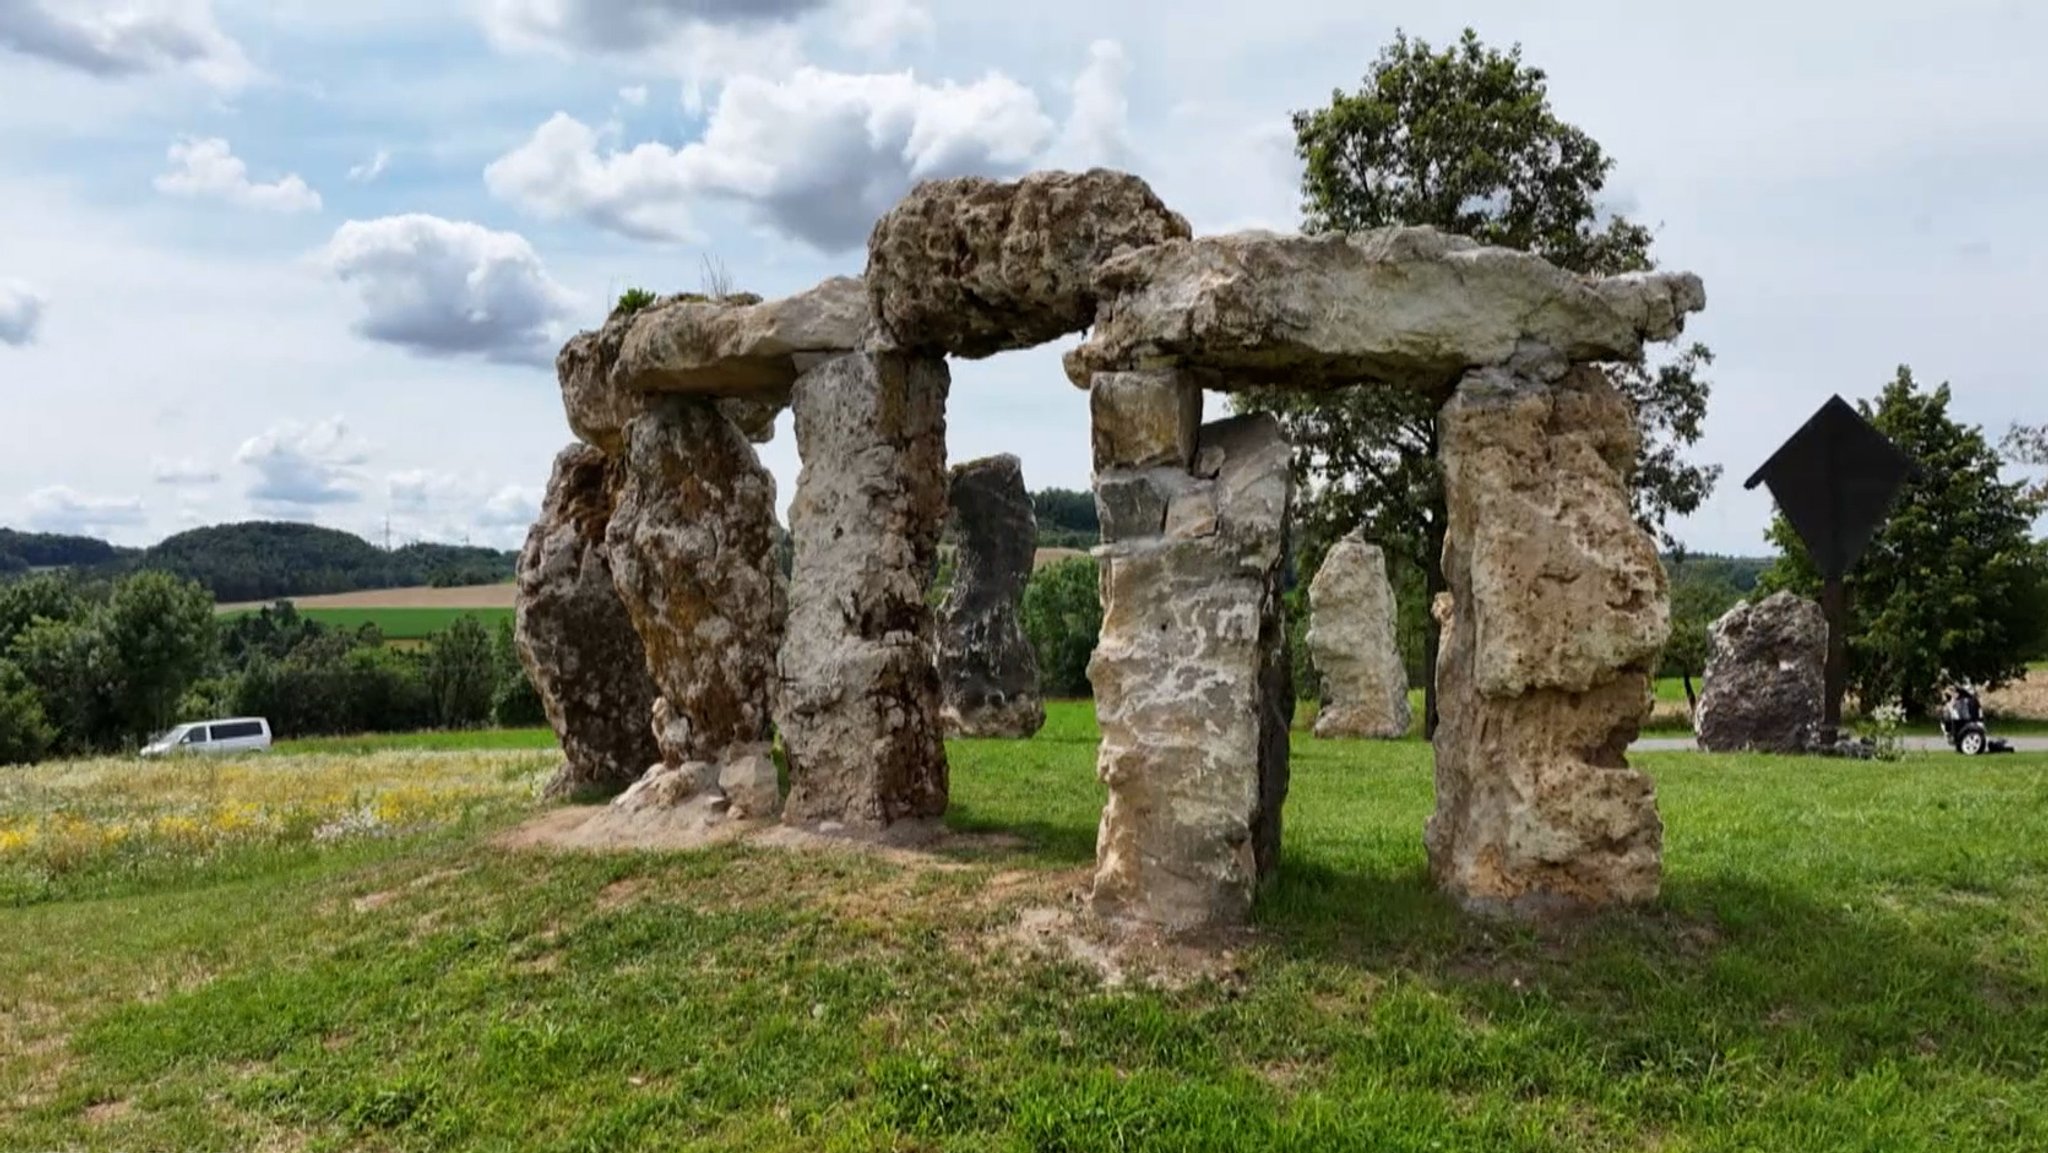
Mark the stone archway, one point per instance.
(1559, 603)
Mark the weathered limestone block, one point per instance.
(988, 673)
(1561, 610)
(693, 556)
(1351, 638)
(599, 407)
(1143, 419)
(1766, 681)
(971, 267)
(1407, 307)
(738, 346)
(575, 637)
(750, 784)
(1194, 691)
(859, 686)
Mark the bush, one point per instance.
(1063, 617)
(25, 734)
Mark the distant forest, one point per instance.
(262, 560)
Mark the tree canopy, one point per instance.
(1954, 586)
(1465, 139)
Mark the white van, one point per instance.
(237, 735)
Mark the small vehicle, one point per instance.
(1962, 723)
(234, 735)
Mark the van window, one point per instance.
(196, 735)
(237, 730)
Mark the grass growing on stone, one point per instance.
(1849, 956)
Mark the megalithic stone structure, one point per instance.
(1351, 638)
(988, 672)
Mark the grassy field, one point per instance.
(1847, 957)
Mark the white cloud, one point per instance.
(449, 288)
(21, 313)
(431, 504)
(819, 156)
(634, 96)
(206, 167)
(628, 26)
(59, 508)
(184, 472)
(370, 169)
(300, 467)
(883, 26)
(1098, 123)
(115, 38)
(510, 507)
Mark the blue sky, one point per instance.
(309, 259)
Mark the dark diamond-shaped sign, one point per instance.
(1835, 479)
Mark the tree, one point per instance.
(1953, 586)
(1463, 139)
(1063, 618)
(160, 630)
(461, 675)
(516, 702)
(73, 672)
(42, 597)
(25, 734)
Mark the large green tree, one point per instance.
(1463, 138)
(160, 630)
(1954, 586)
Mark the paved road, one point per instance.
(2025, 744)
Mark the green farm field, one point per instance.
(401, 624)
(338, 951)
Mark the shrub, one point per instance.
(1063, 617)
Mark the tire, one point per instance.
(1972, 743)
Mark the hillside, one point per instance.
(21, 551)
(262, 560)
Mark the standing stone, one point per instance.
(693, 556)
(575, 637)
(1193, 688)
(859, 696)
(988, 672)
(1351, 639)
(1561, 611)
(1766, 676)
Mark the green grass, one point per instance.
(1846, 957)
(479, 739)
(402, 624)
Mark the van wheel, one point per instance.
(1972, 744)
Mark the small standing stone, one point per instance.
(988, 671)
(575, 637)
(1766, 679)
(1351, 638)
(859, 698)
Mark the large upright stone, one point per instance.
(988, 672)
(1407, 307)
(1766, 679)
(859, 688)
(1351, 638)
(693, 555)
(1561, 610)
(1194, 690)
(971, 267)
(575, 637)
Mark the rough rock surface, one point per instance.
(1403, 306)
(1351, 638)
(750, 783)
(741, 346)
(575, 637)
(1766, 679)
(693, 556)
(1193, 690)
(670, 786)
(1141, 419)
(598, 408)
(859, 687)
(1561, 610)
(971, 267)
(988, 672)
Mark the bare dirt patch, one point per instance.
(498, 596)
(108, 1112)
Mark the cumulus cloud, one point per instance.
(881, 26)
(65, 510)
(818, 155)
(1098, 123)
(634, 95)
(21, 313)
(512, 506)
(184, 472)
(442, 288)
(370, 169)
(628, 26)
(431, 504)
(300, 467)
(207, 167)
(116, 38)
